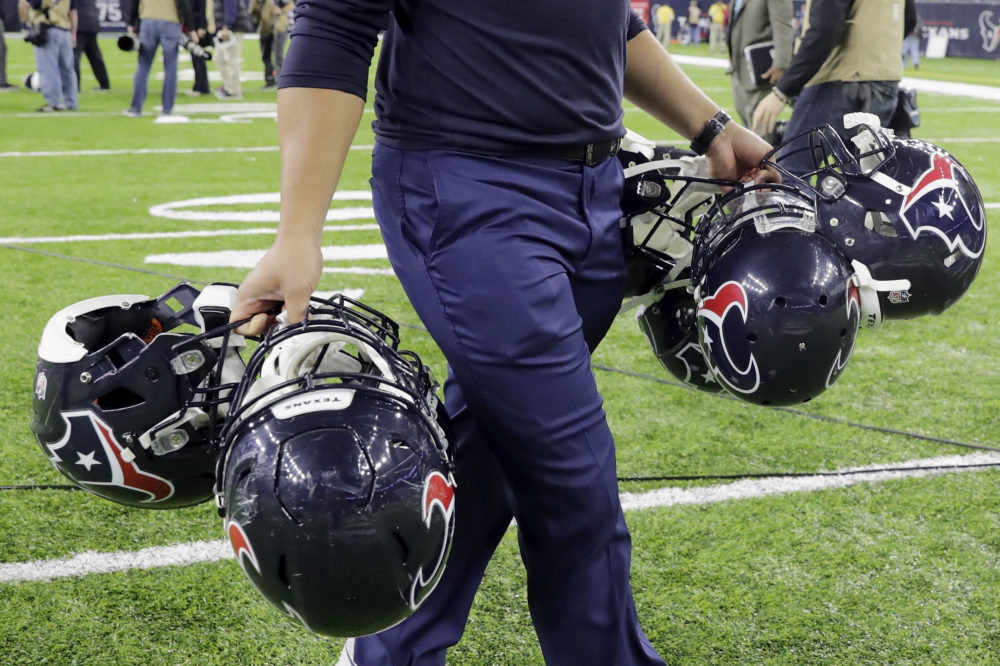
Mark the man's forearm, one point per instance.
(657, 85)
(315, 130)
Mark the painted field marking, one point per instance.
(194, 209)
(150, 151)
(92, 562)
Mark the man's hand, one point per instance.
(765, 116)
(287, 274)
(773, 74)
(736, 155)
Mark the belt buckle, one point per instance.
(611, 150)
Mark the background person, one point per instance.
(234, 18)
(54, 59)
(694, 23)
(4, 84)
(200, 14)
(911, 42)
(498, 200)
(754, 22)
(664, 24)
(846, 60)
(88, 25)
(272, 26)
(717, 27)
(158, 24)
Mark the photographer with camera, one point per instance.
(272, 25)
(53, 39)
(158, 23)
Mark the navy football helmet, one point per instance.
(335, 483)
(778, 308)
(130, 393)
(670, 328)
(904, 208)
(666, 191)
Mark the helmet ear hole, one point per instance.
(823, 299)
(119, 398)
(780, 302)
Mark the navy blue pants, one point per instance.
(516, 269)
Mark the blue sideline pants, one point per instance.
(516, 269)
(154, 33)
(56, 75)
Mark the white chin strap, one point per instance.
(868, 288)
(298, 355)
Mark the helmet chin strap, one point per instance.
(868, 288)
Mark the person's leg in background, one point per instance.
(63, 40)
(169, 39)
(266, 46)
(92, 49)
(148, 43)
(280, 44)
(4, 84)
(50, 82)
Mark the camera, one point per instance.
(194, 48)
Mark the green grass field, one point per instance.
(893, 571)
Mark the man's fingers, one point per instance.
(257, 325)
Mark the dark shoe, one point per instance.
(222, 93)
(48, 108)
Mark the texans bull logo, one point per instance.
(102, 464)
(722, 321)
(438, 495)
(936, 205)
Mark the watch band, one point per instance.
(713, 128)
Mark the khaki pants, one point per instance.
(229, 59)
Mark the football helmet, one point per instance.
(666, 191)
(777, 305)
(130, 393)
(904, 208)
(335, 484)
(670, 328)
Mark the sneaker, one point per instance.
(193, 93)
(7, 88)
(131, 113)
(269, 86)
(100, 89)
(48, 108)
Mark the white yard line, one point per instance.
(151, 151)
(92, 562)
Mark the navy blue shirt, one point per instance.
(480, 75)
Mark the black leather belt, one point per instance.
(589, 154)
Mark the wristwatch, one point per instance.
(713, 128)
